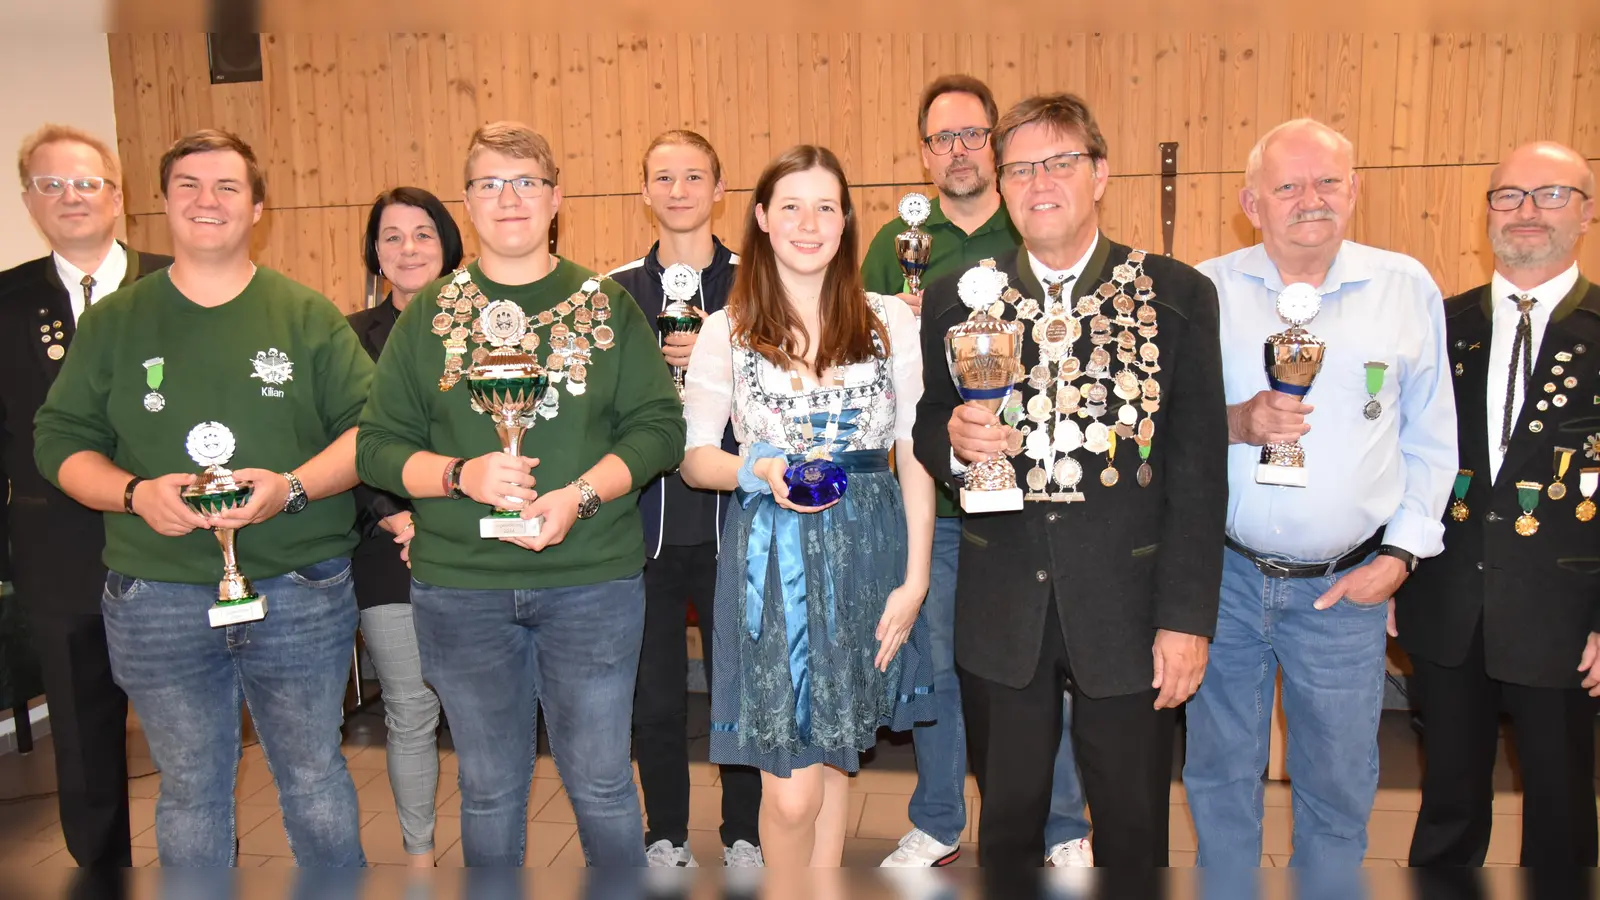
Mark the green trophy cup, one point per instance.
(216, 491)
(680, 282)
(508, 385)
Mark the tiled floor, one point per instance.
(30, 834)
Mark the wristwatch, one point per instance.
(1405, 556)
(588, 499)
(296, 500)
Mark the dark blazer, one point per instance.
(1539, 596)
(55, 543)
(1128, 560)
(381, 577)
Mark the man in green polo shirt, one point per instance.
(216, 361)
(968, 223)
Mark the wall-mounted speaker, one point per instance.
(235, 57)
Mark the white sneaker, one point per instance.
(919, 849)
(1071, 855)
(742, 855)
(664, 854)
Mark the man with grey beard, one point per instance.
(1507, 619)
(1309, 570)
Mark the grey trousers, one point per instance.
(411, 712)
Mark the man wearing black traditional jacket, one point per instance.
(1116, 594)
(1507, 618)
(71, 185)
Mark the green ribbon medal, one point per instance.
(154, 370)
(1458, 506)
(1145, 473)
(1375, 371)
(1528, 498)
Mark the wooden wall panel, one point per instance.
(339, 117)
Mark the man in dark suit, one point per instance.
(1116, 594)
(71, 187)
(1507, 619)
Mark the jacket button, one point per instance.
(1492, 517)
(1480, 567)
(1041, 575)
(1052, 517)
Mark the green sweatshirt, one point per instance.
(953, 251)
(629, 408)
(276, 365)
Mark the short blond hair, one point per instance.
(512, 139)
(686, 138)
(54, 133)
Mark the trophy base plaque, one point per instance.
(252, 609)
(1005, 500)
(510, 524)
(1287, 476)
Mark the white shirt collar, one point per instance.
(1547, 296)
(107, 277)
(1045, 274)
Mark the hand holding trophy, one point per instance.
(215, 491)
(1293, 359)
(508, 384)
(985, 358)
(680, 282)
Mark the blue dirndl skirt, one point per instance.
(797, 606)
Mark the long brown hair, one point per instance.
(763, 316)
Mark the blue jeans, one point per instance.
(187, 679)
(938, 805)
(1333, 674)
(495, 657)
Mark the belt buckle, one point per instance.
(1272, 568)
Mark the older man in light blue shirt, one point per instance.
(1309, 571)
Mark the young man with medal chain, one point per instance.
(1105, 582)
(504, 632)
(1506, 619)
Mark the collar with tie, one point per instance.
(88, 283)
(1521, 347)
(1056, 285)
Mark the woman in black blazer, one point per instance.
(411, 240)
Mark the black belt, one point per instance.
(1275, 568)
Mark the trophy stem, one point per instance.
(510, 427)
(230, 560)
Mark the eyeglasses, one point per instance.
(1058, 166)
(527, 187)
(55, 185)
(1551, 196)
(942, 142)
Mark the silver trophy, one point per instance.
(508, 385)
(914, 246)
(1293, 358)
(214, 492)
(985, 358)
(680, 282)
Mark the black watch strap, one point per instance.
(127, 494)
(1405, 556)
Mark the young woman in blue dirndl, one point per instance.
(814, 647)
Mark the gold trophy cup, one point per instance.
(1293, 359)
(985, 358)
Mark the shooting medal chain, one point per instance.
(569, 347)
(1083, 389)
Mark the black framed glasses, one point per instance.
(942, 142)
(56, 185)
(1058, 166)
(527, 187)
(1551, 196)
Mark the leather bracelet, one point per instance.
(452, 478)
(127, 495)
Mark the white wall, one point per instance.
(50, 77)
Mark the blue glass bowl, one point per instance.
(815, 482)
